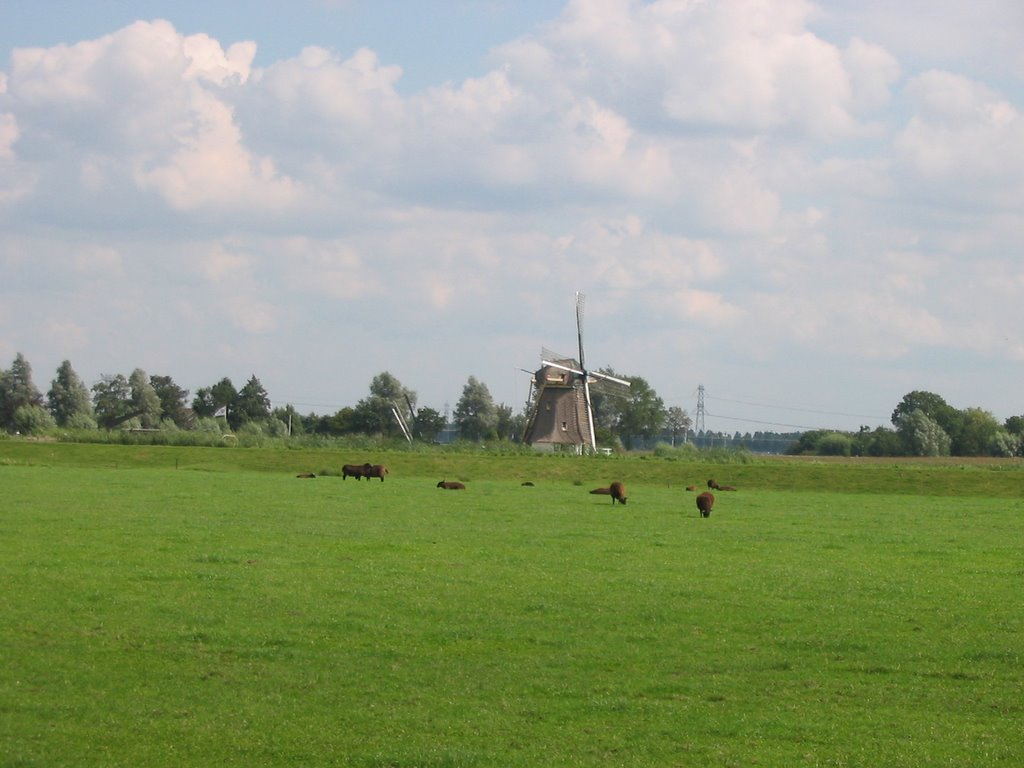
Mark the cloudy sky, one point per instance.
(811, 209)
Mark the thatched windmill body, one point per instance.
(563, 415)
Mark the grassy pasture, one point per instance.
(220, 614)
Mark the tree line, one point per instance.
(923, 423)
(142, 402)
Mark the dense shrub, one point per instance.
(33, 420)
(834, 444)
(685, 451)
(80, 421)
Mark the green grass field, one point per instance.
(200, 607)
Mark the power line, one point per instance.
(801, 410)
(767, 423)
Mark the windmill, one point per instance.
(563, 414)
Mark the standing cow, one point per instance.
(358, 471)
(376, 470)
(705, 501)
(618, 493)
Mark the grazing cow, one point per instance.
(376, 470)
(358, 471)
(705, 501)
(451, 485)
(306, 474)
(618, 492)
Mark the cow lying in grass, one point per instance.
(451, 485)
(717, 487)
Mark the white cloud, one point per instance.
(208, 61)
(250, 314)
(873, 72)
(213, 169)
(8, 135)
(317, 104)
(966, 137)
(334, 269)
(222, 262)
(98, 262)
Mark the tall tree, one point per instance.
(643, 413)
(922, 435)
(253, 402)
(112, 400)
(639, 412)
(291, 418)
(509, 427)
(428, 424)
(68, 396)
(678, 422)
(173, 400)
(145, 401)
(373, 415)
(475, 413)
(17, 391)
(931, 405)
(210, 400)
(978, 435)
(202, 404)
(1015, 425)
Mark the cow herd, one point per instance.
(705, 501)
(369, 471)
(359, 471)
(617, 490)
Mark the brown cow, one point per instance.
(451, 485)
(618, 492)
(691, 487)
(376, 470)
(358, 471)
(307, 474)
(717, 487)
(705, 501)
(602, 491)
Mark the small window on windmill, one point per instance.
(565, 426)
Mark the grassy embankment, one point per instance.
(828, 613)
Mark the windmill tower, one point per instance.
(563, 416)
